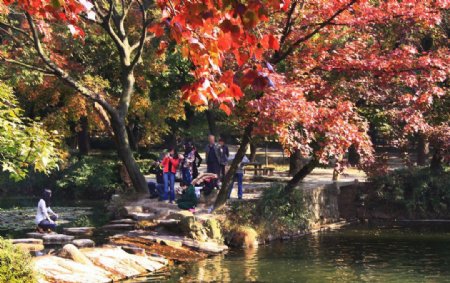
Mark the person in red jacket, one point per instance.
(170, 165)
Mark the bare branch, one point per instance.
(141, 43)
(288, 26)
(63, 74)
(282, 55)
(16, 29)
(27, 66)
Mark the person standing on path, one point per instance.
(170, 164)
(197, 162)
(224, 154)
(188, 162)
(212, 154)
(239, 177)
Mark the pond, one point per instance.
(354, 254)
(17, 215)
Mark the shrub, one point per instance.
(420, 192)
(276, 212)
(283, 213)
(91, 177)
(14, 264)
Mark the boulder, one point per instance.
(213, 229)
(83, 243)
(79, 231)
(243, 236)
(128, 210)
(69, 251)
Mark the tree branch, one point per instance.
(288, 26)
(61, 73)
(141, 43)
(27, 66)
(280, 56)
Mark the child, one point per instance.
(189, 198)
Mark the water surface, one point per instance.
(356, 254)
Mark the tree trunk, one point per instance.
(436, 163)
(132, 137)
(225, 190)
(252, 152)
(126, 154)
(422, 150)
(211, 122)
(83, 136)
(300, 175)
(295, 162)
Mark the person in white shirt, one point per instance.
(45, 217)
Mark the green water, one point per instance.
(17, 215)
(358, 254)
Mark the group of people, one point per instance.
(193, 182)
(217, 157)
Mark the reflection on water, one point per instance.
(358, 254)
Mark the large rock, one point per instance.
(127, 211)
(71, 252)
(83, 243)
(57, 269)
(79, 231)
(213, 229)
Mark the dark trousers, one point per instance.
(239, 178)
(222, 171)
(186, 174)
(45, 224)
(155, 190)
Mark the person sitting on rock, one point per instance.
(45, 217)
(189, 198)
(156, 189)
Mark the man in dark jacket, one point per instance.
(156, 189)
(212, 153)
(224, 154)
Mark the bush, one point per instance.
(14, 264)
(91, 177)
(418, 191)
(283, 213)
(276, 212)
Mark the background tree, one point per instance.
(24, 144)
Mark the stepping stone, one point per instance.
(168, 222)
(28, 241)
(57, 239)
(36, 235)
(31, 245)
(129, 210)
(140, 216)
(206, 247)
(118, 227)
(84, 243)
(133, 250)
(123, 221)
(79, 231)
